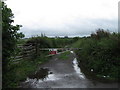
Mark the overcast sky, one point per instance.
(64, 17)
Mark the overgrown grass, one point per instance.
(101, 55)
(18, 72)
(64, 55)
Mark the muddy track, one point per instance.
(62, 74)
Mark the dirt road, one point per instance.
(63, 74)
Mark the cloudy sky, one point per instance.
(64, 17)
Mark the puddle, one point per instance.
(51, 77)
(41, 74)
(77, 69)
(44, 74)
(71, 51)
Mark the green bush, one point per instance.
(101, 55)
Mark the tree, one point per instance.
(10, 36)
(65, 36)
(76, 38)
(100, 33)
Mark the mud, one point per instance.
(58, 73)
(40, 74)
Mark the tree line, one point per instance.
(99, 54)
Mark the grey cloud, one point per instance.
(81, 27)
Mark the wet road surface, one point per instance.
(58, 73)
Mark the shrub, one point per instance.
(101, 55)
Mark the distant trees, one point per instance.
(43, 35)
(10, 36)
(65, 36)
(76, 38)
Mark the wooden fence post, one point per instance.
(37, 49)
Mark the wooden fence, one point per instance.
(29, 51)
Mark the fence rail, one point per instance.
(29, 50)
(26, 51)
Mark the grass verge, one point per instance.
(18, 72)
(64, 55)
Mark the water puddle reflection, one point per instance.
(41, 74)
(77, 69)
(71, 51)
(44, 74)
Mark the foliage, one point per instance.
(10, 36)
(19, 72)
(45, 42)
(76, 39)
(22, 41)
(42, 42)
(101, 55)
(100, 33)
